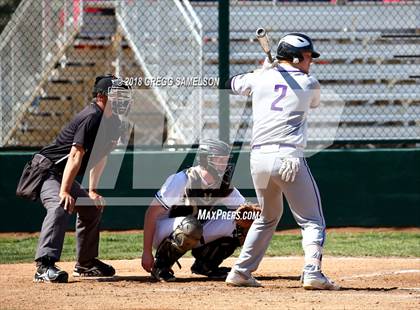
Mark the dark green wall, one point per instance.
(358, 187)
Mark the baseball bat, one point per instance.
(262, 37)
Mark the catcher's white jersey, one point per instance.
(281, 98)
(172, 193)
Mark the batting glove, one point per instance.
(269, 65)
(289, 168)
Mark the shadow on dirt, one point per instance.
(149, 279)
(142, 279)
(274, 278)
(369, 289)
(198, 279)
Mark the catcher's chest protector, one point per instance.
(200, 194)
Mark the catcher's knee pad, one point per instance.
(212, 254)
(187, 234)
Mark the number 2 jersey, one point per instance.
(281, 99)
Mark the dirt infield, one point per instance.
(367, 283)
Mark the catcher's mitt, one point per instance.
(245, 216)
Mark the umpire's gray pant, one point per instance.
(55, 223)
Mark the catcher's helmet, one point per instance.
(292, 45)
(214, 147)
(117, 91)
(208, 150)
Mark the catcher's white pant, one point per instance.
(212, 229)
(304, 201)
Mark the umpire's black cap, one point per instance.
(102, 84)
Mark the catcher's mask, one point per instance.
(215, 156)
(118, 92)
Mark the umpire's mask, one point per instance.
(120, 97)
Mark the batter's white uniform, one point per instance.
(281, 99)
(173, 193)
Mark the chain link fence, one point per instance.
(51, 52)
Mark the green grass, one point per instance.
(378, 244)
(14, 249)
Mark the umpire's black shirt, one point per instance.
(90, 129)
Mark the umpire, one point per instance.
(81, 146)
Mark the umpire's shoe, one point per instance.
(93, 268)
(47, 271)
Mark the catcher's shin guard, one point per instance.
(209, 256)
(183, 238)
(166, 255)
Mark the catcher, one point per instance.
(182, 217)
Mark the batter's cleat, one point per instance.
(52, 274)
(94, 268)
(318, 281)
(163, 274)
(235, 278)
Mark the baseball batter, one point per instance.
(173, 224)
(282, 95)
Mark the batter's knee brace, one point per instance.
(268, 222)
